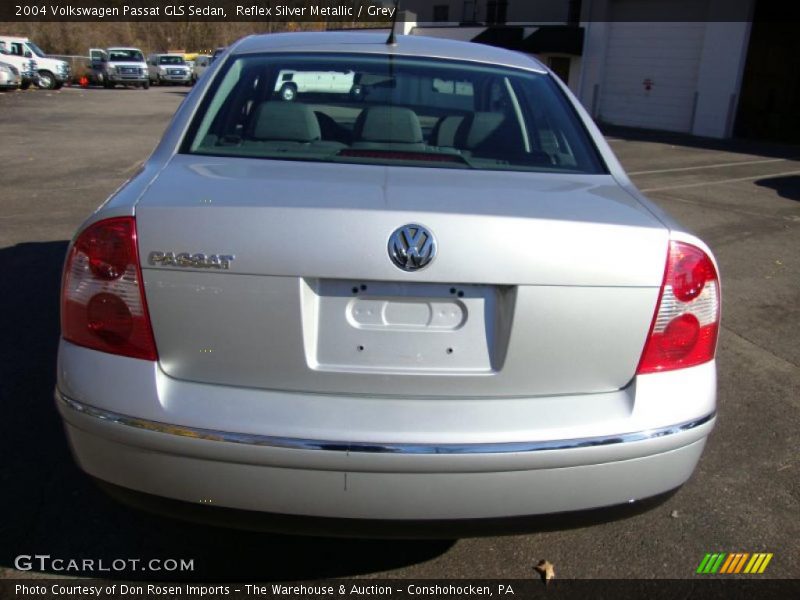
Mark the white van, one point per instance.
(25, 66)
(168, 68)
(52, 73)
(201, 63)
(120, 66)
(291, 83)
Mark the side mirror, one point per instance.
(28, 54)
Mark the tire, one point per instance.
(107, 84)
(24, 85)
(47, 80)
(288, 92)
(146, 85)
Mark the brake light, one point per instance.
(401, 155)
(102, 298)
(686, 322)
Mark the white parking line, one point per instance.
(690, 185)
(717, 166)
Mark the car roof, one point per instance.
(123, 48)
(375, 43)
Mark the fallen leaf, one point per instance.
(546, 569)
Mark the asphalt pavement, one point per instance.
(63, 152)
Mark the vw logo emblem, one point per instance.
(412, 247)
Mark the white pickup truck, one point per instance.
(51, 73)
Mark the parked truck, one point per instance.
(119, 66)
(25, 66)
(51, 73)
(168, 69)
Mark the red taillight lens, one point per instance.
(102, 299)
(686, 323)
(108, 249)
(109, 318)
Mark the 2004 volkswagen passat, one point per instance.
(435, 296)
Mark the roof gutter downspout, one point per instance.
(587, 37)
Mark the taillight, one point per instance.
(686, 323)
(102, 298)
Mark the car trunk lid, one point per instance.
(542, 283)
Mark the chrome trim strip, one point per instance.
(377, 448)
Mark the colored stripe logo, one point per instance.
(734, 563)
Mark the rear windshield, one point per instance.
(384, 110)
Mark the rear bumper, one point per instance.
(471, 482)
(422, 459)
(376, 528)
(342, 483)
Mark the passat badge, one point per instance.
(187, 259)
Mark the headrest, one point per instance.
(477, 127)
(285, 121)
(444, 133)
(388, 124)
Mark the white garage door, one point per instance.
(666, 54)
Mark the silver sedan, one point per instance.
(9, 77)
(435, 298)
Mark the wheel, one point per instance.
(288, 92)
(107, 84)
(47, 80)
(24, 85)
(146, 85)
(357, 92)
